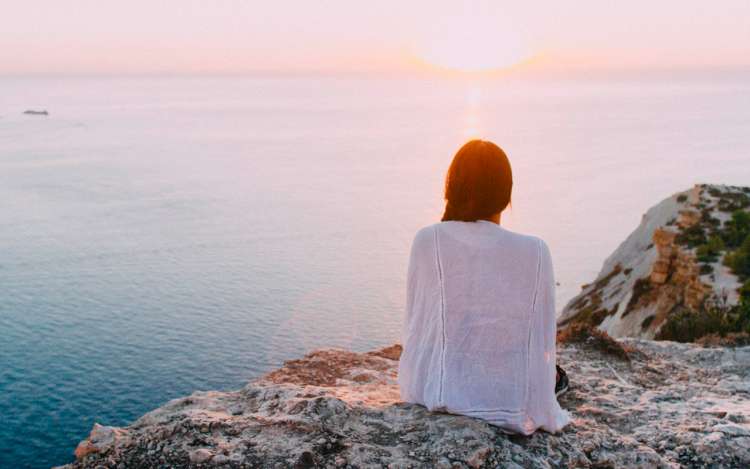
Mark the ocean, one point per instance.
(160, 235)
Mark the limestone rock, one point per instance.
(200, 455)
(670, 405)
(655, 272)
(101, 440)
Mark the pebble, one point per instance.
(479, 456)
(220, 459)
(732, 429)
(200, 455)
(444, 463)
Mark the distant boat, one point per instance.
(31, 112)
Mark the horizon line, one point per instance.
(525, 73)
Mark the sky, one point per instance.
(235, 36)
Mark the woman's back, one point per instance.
(479, 332)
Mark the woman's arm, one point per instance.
(542, 405)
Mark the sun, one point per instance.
(472, 45)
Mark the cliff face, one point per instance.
(662, 405)
(671, 263)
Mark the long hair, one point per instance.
(479, 182)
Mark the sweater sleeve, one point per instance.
(419, 328)
(418, 256)
(543, 409)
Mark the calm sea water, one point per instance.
(165, 235)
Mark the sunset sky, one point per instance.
(233, 36)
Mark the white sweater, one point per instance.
(479, 331)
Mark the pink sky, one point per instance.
(234, 36)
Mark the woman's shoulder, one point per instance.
(532, 246)
(424, 241)
(427, 231)
(530, 243)
(425, 235)
(534, 242)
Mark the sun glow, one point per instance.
(472, 124)
(472, 44)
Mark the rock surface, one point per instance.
(663, 405)
(656, 271)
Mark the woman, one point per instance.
(479, 331)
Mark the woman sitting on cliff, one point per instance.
(479, 331)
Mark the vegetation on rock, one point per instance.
(641, 287)
(688, 326)
(733, 239)
(591, 337)
(697, 285)
(718, 319)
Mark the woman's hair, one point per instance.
(478, 183)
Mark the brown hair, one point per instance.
(479, 182)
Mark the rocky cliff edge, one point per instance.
(634, 403)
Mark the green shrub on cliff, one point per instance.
(745, 291)
(737, 229)
(716, 320)
(710, 251)
(689, 326)
(739, 260)
(732, 201)
(692, 236)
